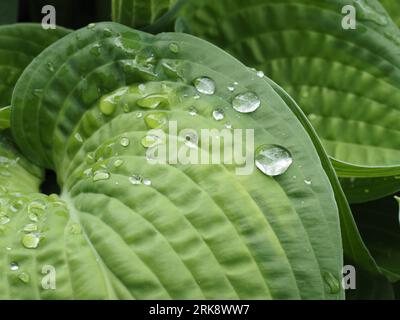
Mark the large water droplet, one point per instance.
(218, 114)
(204, 85)
(155, 119)
(272, 160)
(31, 240)
(101, 175)
(246, 102)
(107, 105)
(332, 282)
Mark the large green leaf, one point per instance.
(197, 231)
(19, 44)
(346, 81)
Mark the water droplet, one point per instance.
(139, 114)
(88, 172)
(14, 266)
(332, 282)
(193, 111)
(147, 182)
(174, 47)
(124, 141)
(8, 248)
(152, 101)
(78, 137)
(204, 85)
(150, 140)
(218, 114)
(37, 208)
(191, 139)
(95, 50)
(4, 220)
(101, 175)
(155, 119)
(30, 227)
(307, 181)
(312, 117)
(135, 179)
(366, 190)
(246, 102)
(91, 25)
(272, 160)
(260, 74)
(107, 105)
(38, 92)
(117, 163)
(50, 66)
(31, 240)
(90, 158)
(24, 277)
(75, 228)
(231, 88)
(228, 125)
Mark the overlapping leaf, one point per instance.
(346, 81)
(19, 44)
(197, 231)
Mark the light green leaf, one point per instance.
(19, 44)
(346, 81)
(169, 231)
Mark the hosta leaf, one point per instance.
(393, 8)
(176, 230)
(149, 14)
(19, 44)
(379, 224)
(346, 81)
(368, 189)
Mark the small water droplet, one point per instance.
(75, 228)
(88, 172)
(246, 102)
(332, 282)
(191, 139)
(152, 101)
(312, 117)
(155, 119)
(50, 66)
(139, 114)
(124, 141)
(260, 74)
(117, 163)
(4, 220)
(228, 125)
(31, 227)
(95, 50)
(38, 92)
(174, 47)
(218, 114)
(14, 266)
(193, 111)
(147, 182)
(78, 137)
(272, 160)
(24, 277)
(31, 240)
(150, 140)
(307, 181)
(101, 175)
(135, 179)
(204, 85)
(91, 25)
